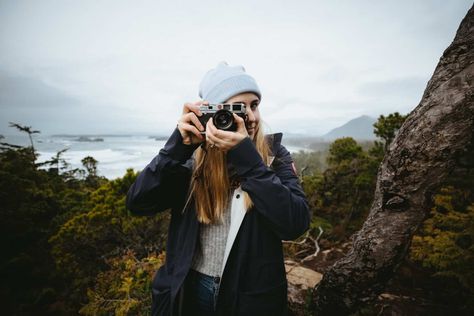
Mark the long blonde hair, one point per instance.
(210, 184)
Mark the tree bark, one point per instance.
(433, 140)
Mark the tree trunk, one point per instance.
(432, 141)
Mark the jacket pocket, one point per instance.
(270, 301)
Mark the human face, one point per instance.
(253, 115)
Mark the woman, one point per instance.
(233, 195)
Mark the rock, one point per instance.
(300, 279)
(89, 139)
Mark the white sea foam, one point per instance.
(114, 155)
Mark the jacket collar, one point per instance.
(274, 140)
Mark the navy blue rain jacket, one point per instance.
(254, 279)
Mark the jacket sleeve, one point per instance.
(276, 194)
(162, 183)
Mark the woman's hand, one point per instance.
(225, 140)
(189, 125)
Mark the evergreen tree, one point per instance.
(387, 127)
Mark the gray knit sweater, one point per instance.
(209, 254)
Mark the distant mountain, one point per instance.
(359, 128)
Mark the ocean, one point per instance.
(114, 154)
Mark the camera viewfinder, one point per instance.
(236, 107)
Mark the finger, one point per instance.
(192, 118)
(218, 142)
(240, 122)
(222, 134)
(201, 102)
(190, 107)
(191, 129)
(213, 129)
(210, 126)
(184, 134)
(207, 136)
(187, 107)
(212, 138)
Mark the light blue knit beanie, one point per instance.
(223, 82)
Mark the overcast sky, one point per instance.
(128, 66)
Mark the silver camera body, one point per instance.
(221, 115)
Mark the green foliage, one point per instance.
(91, 165)
(386, 127)
(60, 233)
(32, 201)
(342, 194)
(312, 183)
(377, 150)
(28, 130)
(309, 162)
(57, 161)
(123, 289)
(445, 242)
(83, 244)
(343, 150)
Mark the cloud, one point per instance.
(410, 87)
(19, 92)
(30, 101)
(386, 96)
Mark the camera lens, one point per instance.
(223, 119)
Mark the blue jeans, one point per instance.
(201, 293)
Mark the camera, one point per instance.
(221, 115)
